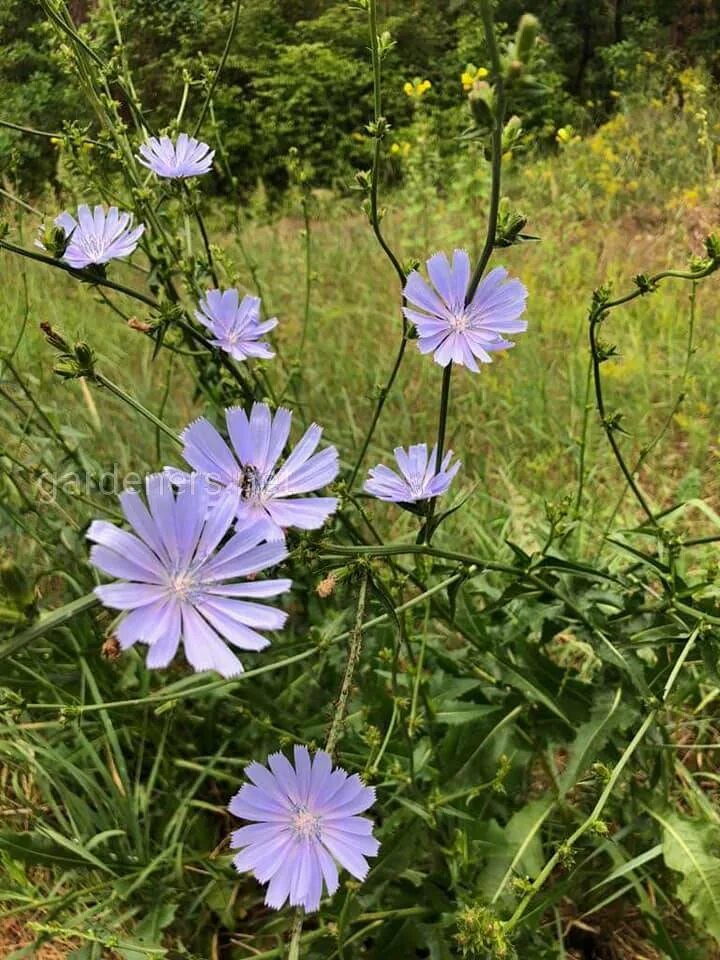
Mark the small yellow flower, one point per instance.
(470, 74)
(55, 141)
(615, 94)
(395, 148)
(566, 135)
(417, 88)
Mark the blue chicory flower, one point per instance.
(235, 324)
(186, 158)
(419, 480)
(304, 823)
(454, 331)
(251, 468)
(177, 582)
(97, 237)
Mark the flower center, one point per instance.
(459, 322)
(94, 246)
(304, 823)
(182, 585)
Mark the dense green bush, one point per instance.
(297, 73)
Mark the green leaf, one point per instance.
(607, 713)
(455, 712)
(692, 847)
(34, 848)
(521, 852)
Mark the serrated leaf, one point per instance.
(607, 713)
(692, 847)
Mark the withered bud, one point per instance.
(53, 337)
(325, 588)
(110, 649)
(142, 326)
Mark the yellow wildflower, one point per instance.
(417, 88)
(470, 74)
(566, 135)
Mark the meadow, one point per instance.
(531, 686)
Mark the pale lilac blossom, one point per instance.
(97, 237)
(454, 331)
(304, 823)
(187, 157)
(235, 324)
(179, 576)
(418, 478)
(271, 492)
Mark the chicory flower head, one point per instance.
(187, 157)
(454, 331)
(97, 237)
(304, 823)
(177, 582)
(251, 468)
(235, 324)
(419, 480)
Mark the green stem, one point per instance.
(377, 114)
(294, 948)
(583, 440)
(136, 405)
(595, 319)
(486, 15)
(220, 67)
(442, 428)
(384, 393)
(354, 648)
(44, 133)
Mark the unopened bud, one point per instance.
(482, 103)
(85, 358)
(527, 33)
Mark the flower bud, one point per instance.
(85, 359)
(482, 103)
(527, 34)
